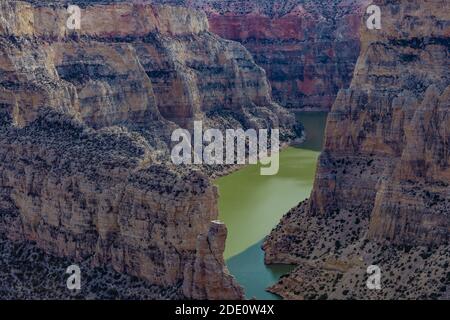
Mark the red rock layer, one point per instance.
(307, 48)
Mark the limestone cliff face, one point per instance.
(86, 114)
(135, 61)
(208, 268)
(80, 193)
(381, 193)
(308, 48)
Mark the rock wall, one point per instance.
(135, 60)
(308, 48)
(96, 195)
(381, 194)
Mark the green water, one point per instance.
(251, 205)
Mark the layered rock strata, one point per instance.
(96, 195)
(86, 122)
(308, 48)
(134, 61)
(27, 272)
(381, 194)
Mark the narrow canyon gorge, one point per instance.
(86, 118)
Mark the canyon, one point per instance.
(85, 119)
(381, 193)
(308, 48)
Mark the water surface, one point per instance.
(251, 205)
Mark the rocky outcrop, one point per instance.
(308, 48)
(207, 276)
(381, 194)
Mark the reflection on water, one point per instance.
(251, 205)
(314, 124)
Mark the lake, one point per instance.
(251, 205)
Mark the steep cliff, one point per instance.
(381, 194)
(86, 121)
(134, 62)
(308, 48)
